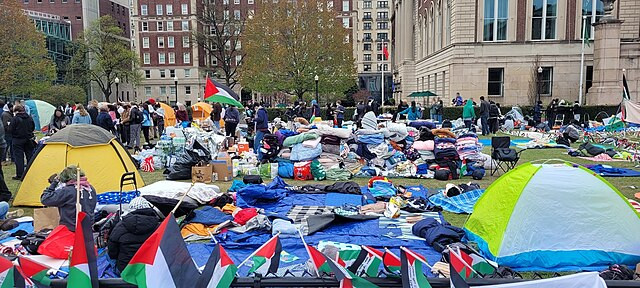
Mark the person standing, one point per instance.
(361, 109)
(262, 128)
(231, 120)
(577, 111)
(439, 110)
(216, 115)
(159, 116)
(146, 122)
(550, 113)
(432, 111)
(7, 115)
(412, 112)
(62, 193)
(329, 113)
(125, 121)
(537, 113)
(494, 114)
(484, 115)
(135, 119)
(104, 119)
(458, 100)
(315, 109)
(93, 111)
(339, 113)
(181, 114)
(5, 194)
(468, 113)
(22, 127)
(81, 116)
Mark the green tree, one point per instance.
(25, 66)
(61, 94)
(101, 54)
(288, 43)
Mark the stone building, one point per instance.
(495, 48)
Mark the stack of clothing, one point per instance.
(445, 149)
(467, 146)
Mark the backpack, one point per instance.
(617, 272)
(136, 116)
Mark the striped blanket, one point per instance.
(462, 203)
(403, 225)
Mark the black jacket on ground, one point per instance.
(22, 126)
(129, 234)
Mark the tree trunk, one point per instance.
(107, 94)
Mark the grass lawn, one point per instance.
(622, 183)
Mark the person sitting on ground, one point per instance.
(81, 116)
(58, 121)
(104, 119)
(62, 194)
(134, 229)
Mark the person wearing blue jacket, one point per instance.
(262, 127)
(146, 121)
(104, 119)
(413, 112)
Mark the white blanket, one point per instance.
(202, 193)
(324, 130)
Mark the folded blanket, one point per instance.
(301, 153)
(296, 139)
(311, 143)
(371, 138)
(284, 227)
(423, 145)
(324, 130)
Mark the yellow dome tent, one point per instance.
(169, 115)
(99, 154)
(201, 111)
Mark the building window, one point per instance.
(367, 4)
(367, 25)
(172, 58)
(172, 73)
(383, 4)
(52, 1)
(238, 60)
(367, 57)
(496, 15)
(250, 2)
(185, 41)
(169, 25)
(187, 90)
(379, 57)
(147, 74)
(251, 13)
(496, 82)
(163, 90)
(145, 42)
(544, 19)
(366, 16)
(236, 14)
(367, 36)
(144, 10)
(146, 58)
(345, 22)
(236, 2)
(329, 5)
(185, 25)
(145, 26)
(186, 57)
(160, 25)
(383, 15)
(159, 9)
(345, 5)
(367, 47)
(170, 42)
(382, 36)
(172, 90)
(383, 25)
(163, 73)
(367, 67)
(593, 10)
(147, 91)
(385, 67)
(589, 81)
(187, 73)
(161, 58)
(214, 61)
(160, 42)
(169, 9)
(79, 18)
(546, 81)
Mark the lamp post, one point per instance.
(316, 78)
(175, 83)
(539, 83)
(117, 81)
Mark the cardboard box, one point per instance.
(45, 218)
(224, 156)
(223, 169)
(202, 174)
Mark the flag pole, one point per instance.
(457, 254)
(584, 38)
(415, 256)
(382, 77)
(254, 252)
(78, 192)
(308, 252)
(182, 198)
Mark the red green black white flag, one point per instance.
(267, 258)
(346, 278)
(391, 262)
(34, 271)
(163, 260)
(412, 276)
(219, 272)
(367, 262)
(10, 275)
(459, 269)
(318, 260)
(83, 269)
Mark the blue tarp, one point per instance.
(514, 142)
(609, 171)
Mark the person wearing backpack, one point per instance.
(136, 118)
(231, 119)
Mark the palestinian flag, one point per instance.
(10, 275)
(459, 269)
(83, 269)
(412, 276)
(625, 88)
(267, 258)
(346, 278)
(318, 260)
(216, 92)
(163, 260)
(219, 271)
(481, 265)
(34, 271)
(367, 262)
(391, 262)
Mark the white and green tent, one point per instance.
(555, 217)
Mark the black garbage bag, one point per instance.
(181, 169)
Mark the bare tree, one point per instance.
(532, 94)
(221, 40)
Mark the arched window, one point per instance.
(440, 26)
(432, 30)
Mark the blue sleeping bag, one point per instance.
(259, 193)
(285, 168)
(301, 153)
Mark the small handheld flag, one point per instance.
(219, 271)
(391, 262)
(267, 258)
(83, 269)
(34, 271)
(10, 275)
(412, 276)
(367, 262)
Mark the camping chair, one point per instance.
(505, 158)
(559, 121)
(128, 178)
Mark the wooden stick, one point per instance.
(182, 198)
(308, 252)
(78, 192)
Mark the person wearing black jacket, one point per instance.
(92, 108)
(23, 143)
(104, 120)
(134, 229)
(494, 114)
(484, 115)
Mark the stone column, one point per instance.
(607, 75)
